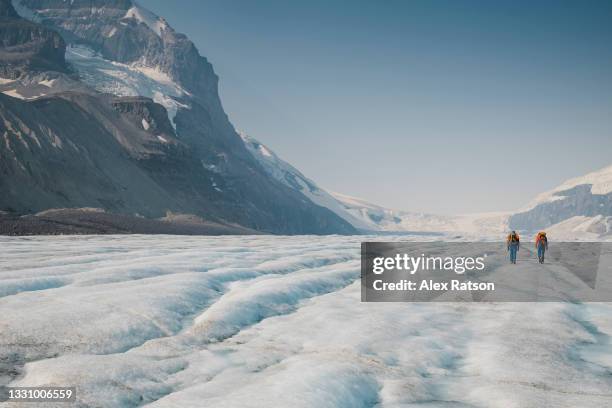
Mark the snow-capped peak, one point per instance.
(154, 22)
(600, 180)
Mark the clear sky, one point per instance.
(437, 106)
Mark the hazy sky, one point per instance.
(436, 106)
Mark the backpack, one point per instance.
(542, 237)
(514, 238)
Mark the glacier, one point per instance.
(253, 321)
(127, 80)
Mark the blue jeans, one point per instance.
(513, 250)
(541, 250)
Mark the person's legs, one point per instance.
(541, 251)
(513, 253)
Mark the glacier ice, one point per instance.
(126, 80)
(257, 321)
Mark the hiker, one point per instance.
(541, 244)
(514, 243)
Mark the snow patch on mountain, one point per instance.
(111, 33)
(31, 87)
(600, 181)
(155, 23)
(578, 206)
(126, 80)
(14, 93)
(48, 82)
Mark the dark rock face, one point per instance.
(7, 10)
(145, 113)
(578, 201)
(27, 47)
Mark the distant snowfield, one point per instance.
(600, 182)
(172, 321)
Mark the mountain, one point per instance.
(104, 105)
(582, 204)
(368, 217)
(579, 208)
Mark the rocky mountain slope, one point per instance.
(130, 122)
(284, 172)
(27, 47)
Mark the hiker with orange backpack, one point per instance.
(514, 244)
(541, 244)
